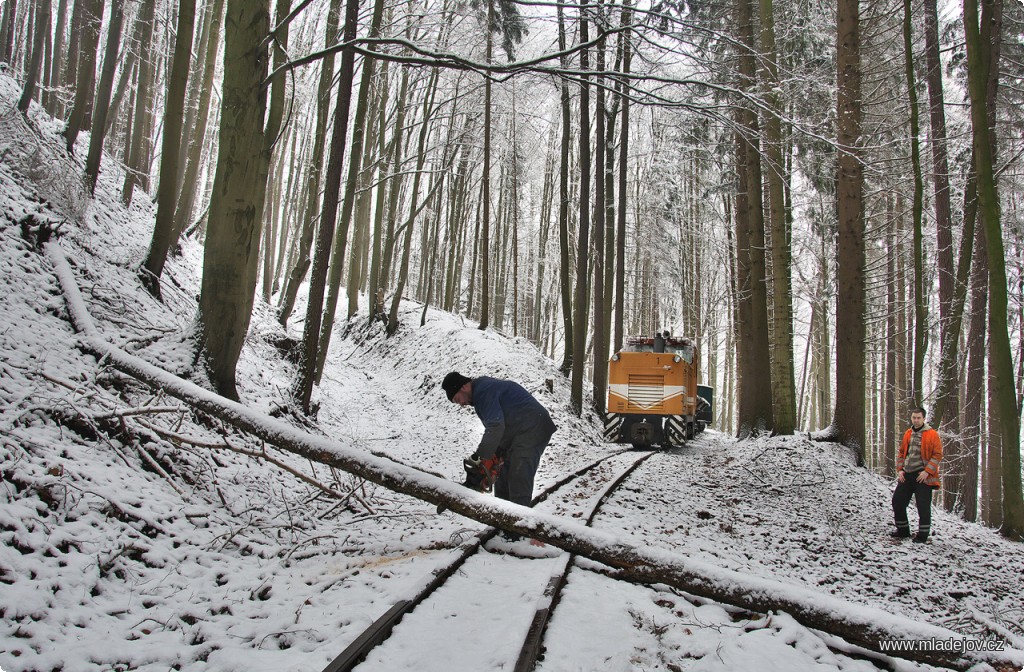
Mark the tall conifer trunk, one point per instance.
(755, 370)
(783, 385)
(848, 423)
(1001, 379)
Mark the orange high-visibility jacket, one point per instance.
(931, 453)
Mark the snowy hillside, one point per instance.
(141, 535)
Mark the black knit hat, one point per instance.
(453, 382)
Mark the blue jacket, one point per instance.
(507, 410)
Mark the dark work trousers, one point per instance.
(922, 495)
(522, 457)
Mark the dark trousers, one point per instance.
(922, 495)
(522, 457)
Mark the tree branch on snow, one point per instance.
(225, 444)
(985, 619)
(151, 461)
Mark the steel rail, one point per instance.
(378, 631)
(533, 642)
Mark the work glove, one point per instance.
(481, 473)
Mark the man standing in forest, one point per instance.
(917, 475)
(517, 429)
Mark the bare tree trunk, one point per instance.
(546, 215)
(348, 204)
(232, 250)
(39, 33)
(741, 281)
(514, 225)
(292, 217)
(498, 248)
(940, 178)
(128, 66)
(137, 154)
(945, 412)
(272, 135)
(611, 111)
(7, 30)
(565, 267)
(421, 155)
(377, 243)
(471, 290)
(189, 187)
(277, 224)
(394, 188)
(101, 105)
(974, 437)
(51, 101)
(458, 224)
(302, 390)
(600, 377)
(167, 194)
(920, 300)
(579, 336)
(85, 75)
(485, 224)
(952, 282)
(358, 258)
(891, 419)
(992, 485)
(313, 175)
(620, 237)
(204, 19)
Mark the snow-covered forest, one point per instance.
(283, 201)
(144, 533)
(824, 198)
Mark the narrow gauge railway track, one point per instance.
(539, 580)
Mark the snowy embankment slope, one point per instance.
(126, 522)
(864, 625)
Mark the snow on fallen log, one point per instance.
(859, 625)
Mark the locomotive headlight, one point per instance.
(615, 357)
(677, 359)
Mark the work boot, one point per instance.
(922, 533)
(900, 533)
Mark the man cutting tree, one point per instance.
(517, 429)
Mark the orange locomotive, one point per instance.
(653, 393)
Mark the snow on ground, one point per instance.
(139, 535)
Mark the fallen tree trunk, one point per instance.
(860, 625)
